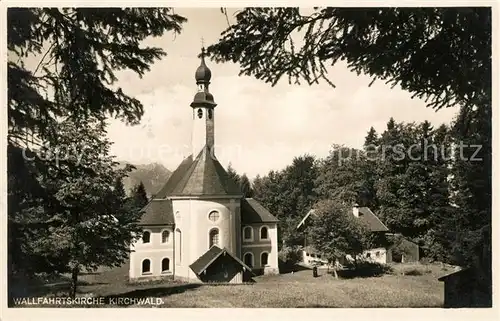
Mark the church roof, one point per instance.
(204, 261)
(366, 216)
(160, 212)
(203, 176)
(176, 176)
(157, 212)
(202, 99)
(253, 212)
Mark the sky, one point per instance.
(258, 128)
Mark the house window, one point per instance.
(214, 216)
(210, 113)
(377, 254)
(263, 233)
(200, 113)
(146, 237)
(313, 255)
(248, 259)
(214, 237)
(165, 235)
(165, 265)
(146, 266)
(307, 254)
(263, 258)
(247, 233)
(368, 255)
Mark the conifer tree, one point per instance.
(79, 51)
(139, 196)
(245, 186)
(371, 148)
(468, 229)
(233, 174)
(429, 42)
(119, 188)
(371, 139)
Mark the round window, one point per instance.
(214, 216)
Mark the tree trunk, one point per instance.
(74, 282)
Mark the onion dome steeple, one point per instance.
(203, 97)
(203, 73)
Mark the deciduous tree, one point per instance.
(92, 225)
(336, 232)
(289, 194)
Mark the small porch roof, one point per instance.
(204, 261)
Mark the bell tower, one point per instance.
(203, 106)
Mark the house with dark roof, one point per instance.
(199, 227)
(364, 215)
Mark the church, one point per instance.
(199, 227)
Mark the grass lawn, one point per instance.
(295, 290)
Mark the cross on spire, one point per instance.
(202, 43)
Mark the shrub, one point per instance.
(415, 270)
(290, 254)
(365, 269)
(412, 272)
(426, 260)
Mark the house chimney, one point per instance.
(355, 210)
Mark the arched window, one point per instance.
(247, 233)
(214, 237)
(248, 259)
(146, 237)
(210, 113)
(178, 246)
(263, 233)
(263, 258)
(146, 266)
(165, 265)
(213, 216)
(200, 112)
(165, 235)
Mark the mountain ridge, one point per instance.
(152, 175)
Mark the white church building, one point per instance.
(199, 227)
